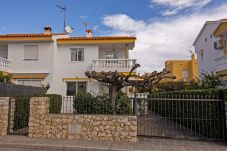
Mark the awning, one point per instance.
(29, 75)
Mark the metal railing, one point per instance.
(99, 105)
(5, 64)
(221, 61)
(113, 63)
(195, 117)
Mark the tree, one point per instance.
(115, 81)
(208, 81)
(4, 78)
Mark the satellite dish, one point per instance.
(68, 29)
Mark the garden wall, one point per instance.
(79, 127)
(4, 113)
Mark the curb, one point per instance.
(58, 147)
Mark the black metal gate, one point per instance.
(18, 115)
(194, 117)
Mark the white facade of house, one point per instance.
(208, 56)
(54, 65)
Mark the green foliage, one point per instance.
(4, 78)
(175, 86)
(21, 112)
(55, 103)
(22, 106)
(86, 103)
(208, 81)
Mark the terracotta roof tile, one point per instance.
(24, 35)
(98, 38)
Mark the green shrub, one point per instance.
(4, 78)
(55, 103)
(22, 108)
(21, 112)
(85, 103)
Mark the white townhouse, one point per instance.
(61, 61)
(211, 48)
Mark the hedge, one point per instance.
(22, 106)
(86, 103)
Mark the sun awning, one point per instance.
(29, 75)
(221, 29)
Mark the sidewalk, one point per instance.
(22, 142)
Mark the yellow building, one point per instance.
(183, 70)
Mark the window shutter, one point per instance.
(31, 52)
(4, 51)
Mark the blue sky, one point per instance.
(30, 16)
(156, 23)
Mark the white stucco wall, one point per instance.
(65, 68)
(44, 64)
(55, 60)
(208, 63)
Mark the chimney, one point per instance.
(89, 33)
(47, 30)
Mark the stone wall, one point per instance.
(4, 114)
(79, 127)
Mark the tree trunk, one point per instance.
(113, 96)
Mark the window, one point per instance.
(185, 73)
(4, 51)
(30, 82)
(30, 52)
(202, 54)
(77, 54)
(76, 87)
(71, 89)
(205, 39)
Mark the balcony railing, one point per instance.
(113, 64)
(221, 63)
(5, 65)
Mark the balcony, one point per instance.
(5, 65)
(221, 63)
(121, 65)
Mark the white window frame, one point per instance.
(76, 51)
(32, 59)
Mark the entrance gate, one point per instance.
(18, 115)
(193, 117)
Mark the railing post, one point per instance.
(134, 104)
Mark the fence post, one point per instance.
(134, 104)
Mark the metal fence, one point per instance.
(97, 105)
(19, 107)
(8, 89)
(181, 116)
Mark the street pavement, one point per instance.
(22, 143)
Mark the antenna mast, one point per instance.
(63, 9)
(85, 24)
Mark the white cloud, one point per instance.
(175, 6)
(162, 40)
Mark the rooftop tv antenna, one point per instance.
(63, 9)
(85, 24)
